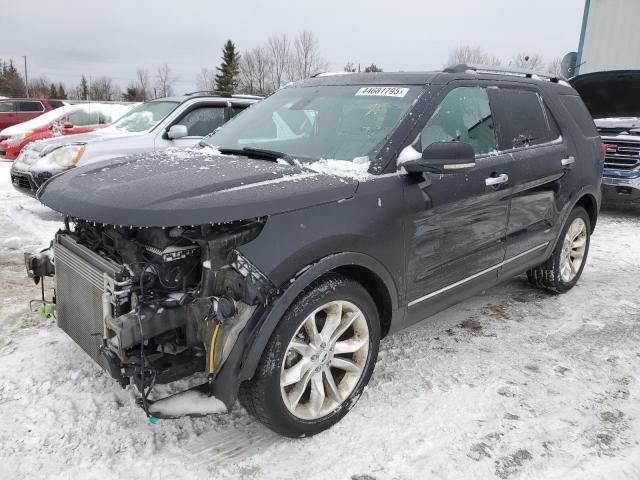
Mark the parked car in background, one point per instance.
(168, 122)
(613, 98)
(18, 110)
(276, 272)
(66, 120)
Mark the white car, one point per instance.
(152, 126)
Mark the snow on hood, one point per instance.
(628, 123)
(112, 111)
(194, 187)
(612, 94)
(357, 169)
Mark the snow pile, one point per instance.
(190, 402)
(358, 168)
(408, 154)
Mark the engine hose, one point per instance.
(212, 349)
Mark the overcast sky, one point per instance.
(64, 38)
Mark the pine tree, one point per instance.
(373, 68)
(229, 69)
(84, 88)
(12, 84)
(53, 92)
(62, 95)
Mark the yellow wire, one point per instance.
(212, 349)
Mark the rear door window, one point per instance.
(30, 107)
(7, 107)
(525, 121)
(463, 116)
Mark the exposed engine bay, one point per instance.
(154, 305)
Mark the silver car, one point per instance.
(152, 126)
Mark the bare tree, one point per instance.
(472, 55)
(307, 60)
(555, 66)
(280, 52)
(102, 88)
(165, 80)
(255, 71)
(143, 84)
(206, 80)
(39, 87)
(529, 62)
(350, 67)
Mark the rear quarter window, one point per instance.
(525, 119)
(578, 110)
(55, 104)
(7, 107)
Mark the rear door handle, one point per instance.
(568, 162)
(497, 180)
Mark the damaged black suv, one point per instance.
(271, 261)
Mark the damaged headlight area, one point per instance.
(155, 305)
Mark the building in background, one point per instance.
(610, 37)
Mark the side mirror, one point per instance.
(177, 131)
(443, 158)
(67, 125)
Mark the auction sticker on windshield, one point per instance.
(382, 91)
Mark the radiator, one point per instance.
(88, 289)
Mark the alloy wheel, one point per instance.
(573, 250)
(324, 360)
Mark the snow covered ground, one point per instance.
(516, 383)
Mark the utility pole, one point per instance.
(26, 75)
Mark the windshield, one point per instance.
(332, 122)
(144, 117)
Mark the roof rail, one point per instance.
(499, 70)
(222, 94)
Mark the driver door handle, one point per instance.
(497, 180)
(568, 162)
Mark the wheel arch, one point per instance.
(364, 269)
(243, 360)
(590, 204)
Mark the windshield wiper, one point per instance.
(257, 153)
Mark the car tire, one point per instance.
(563, 269)
(344, 346)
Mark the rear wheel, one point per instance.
(562, 271)
(318, 360)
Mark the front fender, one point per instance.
(243, 360)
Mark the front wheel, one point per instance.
(562, 271)
(318, 360)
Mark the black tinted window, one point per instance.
(236, 110)
(6, 107)
(30, 107)
(463, 116)
(526, 122)
(202, 121)
(55, 103)
(580, 114)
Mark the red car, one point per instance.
(67, 120)
(18, 110)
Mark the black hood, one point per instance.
(612, 94)
(187, 188)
